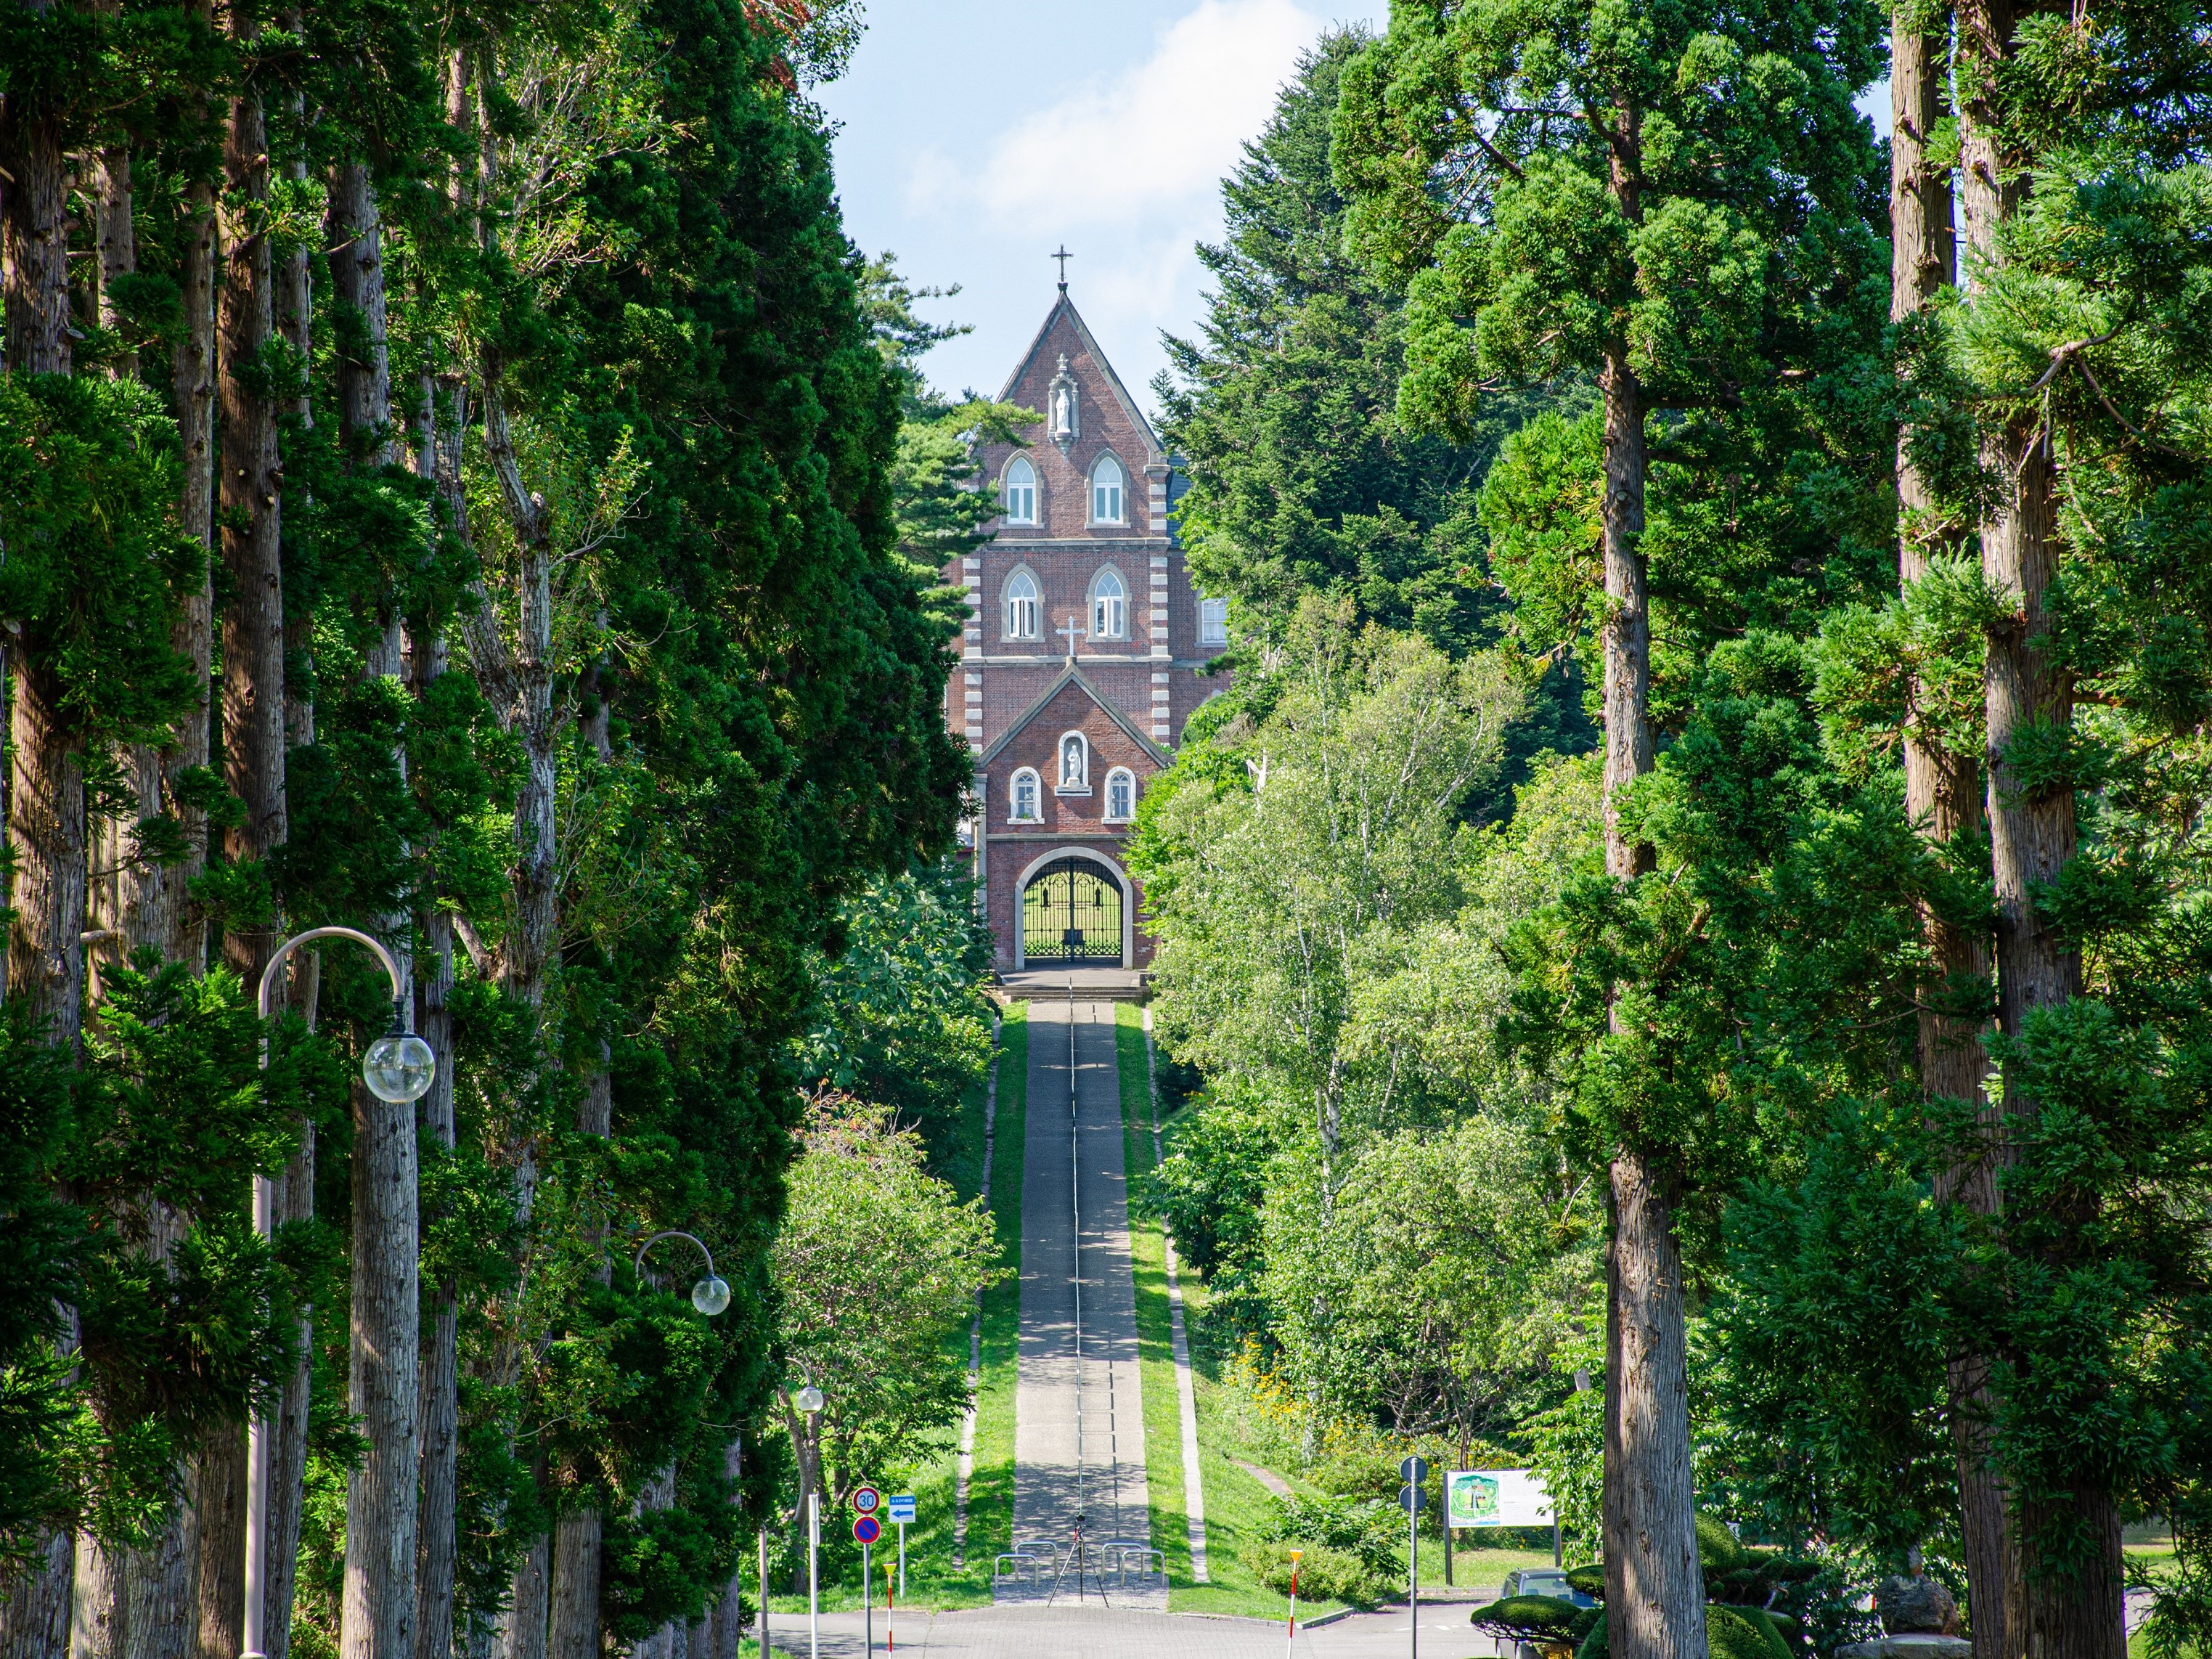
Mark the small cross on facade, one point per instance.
(1071, 634)
(1063, 256)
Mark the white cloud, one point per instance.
(1136, 146)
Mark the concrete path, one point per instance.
(1094, 1632)
(1267, 1477)
(1079, 1408)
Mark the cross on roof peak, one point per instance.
(1063, 256)
(1071, 634)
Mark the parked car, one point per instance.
(1544, 1581)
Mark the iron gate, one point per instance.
(1072, 915)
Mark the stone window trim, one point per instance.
(1106, 498)
(1025, 797)
(1019, 490)
(1109, 603)
(1121, 795)
(1021, 605)
(1213, 621)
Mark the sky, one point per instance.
(976, 137)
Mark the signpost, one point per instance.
(1414, 1472)
(901, 1511)
(865, 1530)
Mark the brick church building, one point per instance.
(1078, 665)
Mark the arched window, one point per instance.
(1108, 492)
(1021, 492)
(1021, 606)
(1110, 606)
(1026, 794)
(1120, 794)
(1074, 762)
(1213, 621)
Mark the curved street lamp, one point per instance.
(711, 1294)
(399, 1066)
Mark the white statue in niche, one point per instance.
(1071, 763)
(1062, 405)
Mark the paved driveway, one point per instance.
(1079, 1413)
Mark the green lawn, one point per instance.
(1155, 1354)
(1236, 1505)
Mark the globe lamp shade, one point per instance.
(398, 1068)
(808, 1399)
(711, 1295)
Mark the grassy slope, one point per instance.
(1162, 1433)
(1236, 1506)
(991, 1491)
(932, 1579)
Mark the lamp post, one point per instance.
(809, 1400)
(398, 1067)
(711, 1294)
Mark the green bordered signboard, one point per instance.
(1496, 1497)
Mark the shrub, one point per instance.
(1366, 1531)
(1324, 1574)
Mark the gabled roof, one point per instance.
(1090, 344)
(1071, 673)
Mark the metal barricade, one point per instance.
(1118, 1551)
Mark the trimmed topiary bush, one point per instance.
(1742, 1634)
(1534, 1618)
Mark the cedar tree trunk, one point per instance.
(574, 1628)
(1942, 795)
(251, 486)
(192, 379)
(440, 1408)
(2056, 1609)
(1655, 1594)
(384, 1389)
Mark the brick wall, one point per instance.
(1147, 675)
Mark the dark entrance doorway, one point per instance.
(1072, 916)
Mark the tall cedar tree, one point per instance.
(744, 729)
(1942, 779)
(1626, 194)
(2080, 145)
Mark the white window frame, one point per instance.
(1025, 513)
(1014, 814)
(1213, 621)
(1009, 620)
(1080, 785)
(1121, 775)
(1115, 626)
(1120, 489)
